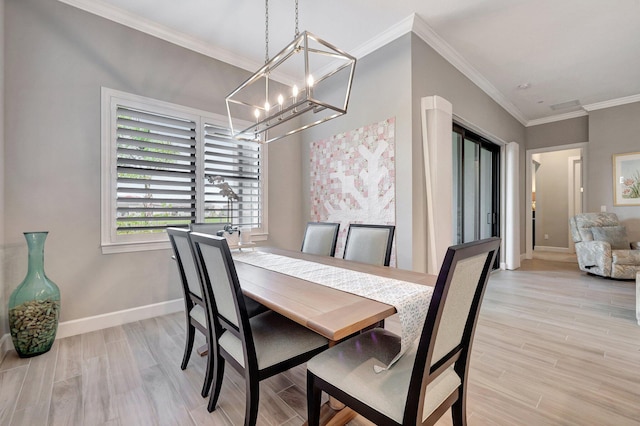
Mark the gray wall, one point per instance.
(4, 328)
(391, 82)
(381, 89)
(432, 75)
(565, 132)
(612, 131)
(57, 58)
(608, 131)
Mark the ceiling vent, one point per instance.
(564, 105)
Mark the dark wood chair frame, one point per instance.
(252, 374)
(190, 300)
(334, 225)
(459, 356)
(391, 228)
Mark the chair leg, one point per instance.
(314, 399)
(459, 411)
(211, 368)
(253, 398)
(188, 346)
(218, 367)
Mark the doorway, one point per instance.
(555, 193)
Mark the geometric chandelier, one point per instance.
(318, 89)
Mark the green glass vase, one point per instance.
(34, 306)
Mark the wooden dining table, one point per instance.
(335, 314)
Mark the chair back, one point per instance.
(187, 267)
(369, 243)
(219, 277)
(450, 323)
(207, 228)
(320, 238)
(223, 295)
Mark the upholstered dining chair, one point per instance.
(320, 238)
(258, 347)
(369, 243)
(194, 304)
(431, 376)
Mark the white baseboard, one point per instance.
(5, 346)
(98, 322)
(112, 319)
(552, 249)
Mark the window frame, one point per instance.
(110, 99)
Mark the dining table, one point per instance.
(333, 313)
(330, 312)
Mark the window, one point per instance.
(168, 165)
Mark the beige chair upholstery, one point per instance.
(257, 347)
(320, 238)
(369, 244)
(408, 393)
(602, 246)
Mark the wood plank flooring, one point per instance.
(553, 347)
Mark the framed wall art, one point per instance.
(626, 179)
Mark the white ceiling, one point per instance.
(564, 50)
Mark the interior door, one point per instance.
(477, 186)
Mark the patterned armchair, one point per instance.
(602, 246)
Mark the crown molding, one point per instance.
(412, 23)
(612, 103)
(401, 28)
(162, 32)
(554, 118)
(429, 36)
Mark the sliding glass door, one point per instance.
(476, 174)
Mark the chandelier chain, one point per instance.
(297, 30)
(266, 31)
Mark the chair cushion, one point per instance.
(616, 236)
(626, 257)
(276, 339)
(197, 313)
(349, 366)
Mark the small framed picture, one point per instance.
(626, 179)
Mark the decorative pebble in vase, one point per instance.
(34, 306)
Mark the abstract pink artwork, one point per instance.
(353, 178)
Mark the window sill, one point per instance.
(132, 247)
(113, 248)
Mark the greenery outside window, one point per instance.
(156, 159)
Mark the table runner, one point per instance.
(410, 300)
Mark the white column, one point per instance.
(437, 119)
(511, 241)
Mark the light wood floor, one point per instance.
(553, 347)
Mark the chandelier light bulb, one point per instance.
(295, 91)
(257, 113)
(280, 100)
(267, 107)
(310, 81)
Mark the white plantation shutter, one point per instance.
(155, 159)
(239, 163)
(156, 171)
